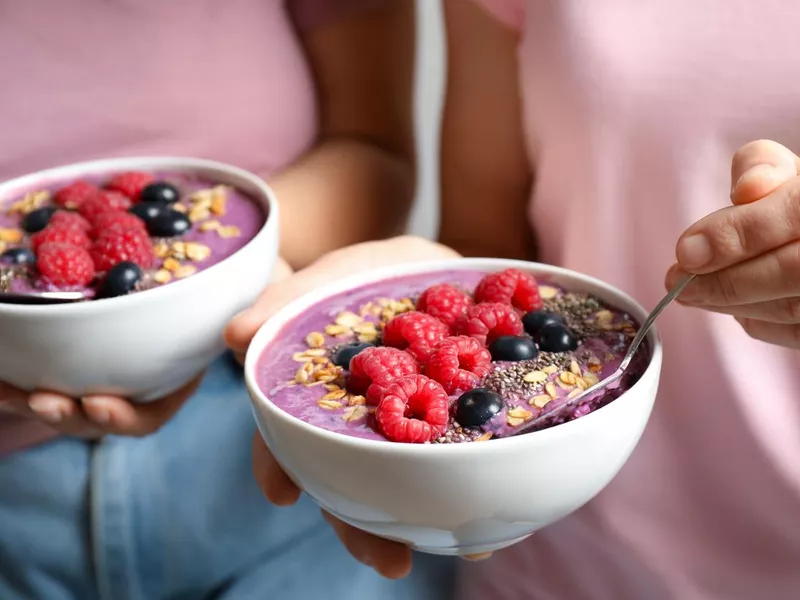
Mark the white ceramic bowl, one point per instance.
(458, 498)
(144, 345)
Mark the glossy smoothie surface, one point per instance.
(287, 371)
(213, 236)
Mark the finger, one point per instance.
(390, 559)
(331, 267)
(784, 310)
(243, 326)
(59, 412)
(271, 478)
(121, 417)
(772, 333)
(477, 557)
(759, 168)
(13, 400)
(62, 414)
(736, 233)
(767, 277)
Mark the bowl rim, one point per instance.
(150, 162)
(278, 321)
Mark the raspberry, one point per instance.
(488, 321)
(371, 370)
(131, 183)
(73, 195)
(103, 201)
(68, 235)
(445, 302)
(116, 220)
(65, 218)
(120, 245)
(413, 409)
(458, 363)
(511, 286)
(64, 266)
(415, 332)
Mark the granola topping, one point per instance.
(530, 389)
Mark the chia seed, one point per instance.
(507, 380)
(146, 282)
(578, 311)
(456, 434)
(7, 275)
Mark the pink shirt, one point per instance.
(206, 78)
(632, 112)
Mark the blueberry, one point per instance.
(38, 219)
(536, 319)
(556, 337)
(18, 256)
(513, 348)
(169, 223)
(147, 211)
(160, 191)
(345, 353)
(475, 407)
(120, 280)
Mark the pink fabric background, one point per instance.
(633, 111)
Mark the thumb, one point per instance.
(241, 328)
(759, 168)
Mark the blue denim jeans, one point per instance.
(176, 516)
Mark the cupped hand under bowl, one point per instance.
(145, 344)
(467, 489)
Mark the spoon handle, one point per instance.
(564, 409)
(40, 297)
(651, 318)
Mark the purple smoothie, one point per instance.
(297, 374)
(214, 234)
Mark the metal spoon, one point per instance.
(626, 361)
(41, 297)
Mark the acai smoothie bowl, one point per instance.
(432, 403)
(155, 254)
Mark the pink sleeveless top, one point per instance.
(632, 112)
(225, 80)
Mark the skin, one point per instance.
(747, 255)
(486, 183)
(486, 175)
(357, 182)
(390, 559)
(483, 156)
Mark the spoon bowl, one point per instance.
(604, 384)
(41, 297)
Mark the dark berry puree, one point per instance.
(447, 357)
(115, 235)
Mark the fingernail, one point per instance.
(97, 410)
(756, 172)
(694, 251)
(48, 408)
(476, 557)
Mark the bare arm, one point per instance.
(357, 182)
(486, 174)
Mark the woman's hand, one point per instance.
(94, 416)
(388, 558)
(748, 255)
(332, 266)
